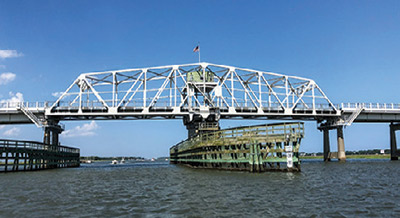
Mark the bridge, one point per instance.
(200, 94)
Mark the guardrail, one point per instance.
(167, 103)
(139, 103)
(383, 106)
(31, 105)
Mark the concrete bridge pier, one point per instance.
(394, 152)
(199, 125)
(340, 144)
(51, 134)
(327, 146)
(340, 154)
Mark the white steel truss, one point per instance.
(191, 89)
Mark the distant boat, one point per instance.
(114, 162)
(152, 159)
(86, 161)
(122, 161)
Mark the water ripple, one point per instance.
(358, 188)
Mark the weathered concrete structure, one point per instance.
(340, 154)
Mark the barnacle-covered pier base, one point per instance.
(269, 147)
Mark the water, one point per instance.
(356, 188)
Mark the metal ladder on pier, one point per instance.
(353, 116)
(30, 115)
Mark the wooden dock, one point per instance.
(29, 155)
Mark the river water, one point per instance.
(158, 189)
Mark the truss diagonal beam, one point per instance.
(231, 90)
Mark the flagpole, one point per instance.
(199, 53)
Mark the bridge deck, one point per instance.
(12, 114)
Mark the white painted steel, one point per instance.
(202, 89)
(146, 91)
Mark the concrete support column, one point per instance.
(327, 147)
(394, 153)
(54, 138)
(46, 137)
(51, 132)
(340, 144)
(198, 127)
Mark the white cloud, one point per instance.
(17, 97)
(87, 129)
(7, 77)
(57, 94)
(9, 54)
(12, 132)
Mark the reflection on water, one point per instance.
(157, 189)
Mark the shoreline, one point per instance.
(353, 156)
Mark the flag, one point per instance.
(196, 49)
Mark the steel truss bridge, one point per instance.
(201, 94)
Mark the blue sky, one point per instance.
(350, 48)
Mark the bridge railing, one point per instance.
(240, 104)
(26, 104)
(371, 106)
(166, 103)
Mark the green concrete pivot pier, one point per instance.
(269, 147)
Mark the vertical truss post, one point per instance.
(80, 95)
(259, 89)
(204, 85)
(175, 81)
(170, 89)
(232, 89)
(287, 93)
(144, 88)
(269, 98)
(313, 99)
(114, 91)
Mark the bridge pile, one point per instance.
(29, 155)
(269, 147)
